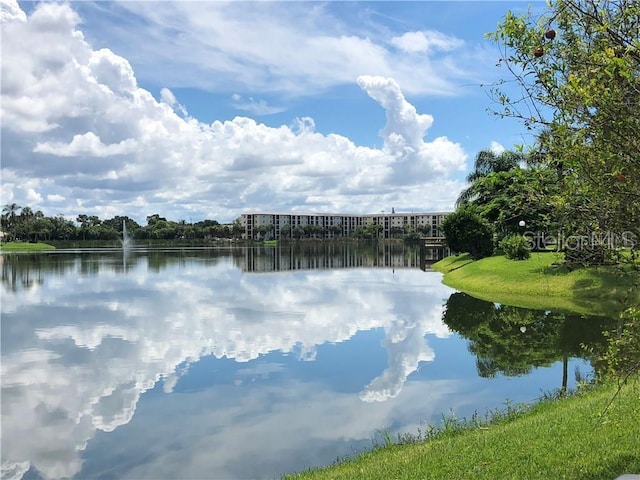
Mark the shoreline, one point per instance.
(25, 247)
(516, 443)
(541, 283)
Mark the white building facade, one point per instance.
(277, 226)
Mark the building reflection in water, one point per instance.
(321, 256)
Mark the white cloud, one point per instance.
(403, 135)
(285, 47)
(7, 189)
(14, 470)
(88, 144)
(10, 10)
(256, 107)
(169, 98)
(497, 147)
(76, 121)
(33, 196)
(426, 42)
(112, 71)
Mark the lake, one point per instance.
(243, 363)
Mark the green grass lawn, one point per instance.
(539, 282)
(24, 246)
(572, 438)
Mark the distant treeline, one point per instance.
(22, 223)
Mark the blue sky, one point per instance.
(208, 109)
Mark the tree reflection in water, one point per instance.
(512, 341)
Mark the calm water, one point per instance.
(250, 363)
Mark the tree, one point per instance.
(298, 232)
(515, 247)
(155, 218)
(237, 229)
(506, 192)
(261, 231)
(336, 230)
(396, 231)
(62, 229)
(285, 231)
(425, 230)
(89, 226)
(521, 194)
(24, 223)
(487, 162)
(42, 226)
(466, 231)
(577, 72)
(309, 230)
(576, 69)
(372, 230)
(358, 232)
(9, 214)
(116, 222)
(411, 236)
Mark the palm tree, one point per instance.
(9, 214)
(487, 161)
(11, 210)
(25, 223)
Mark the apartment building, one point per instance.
(273, 225)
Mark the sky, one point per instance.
(196, 110)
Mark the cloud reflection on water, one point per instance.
(78, 351)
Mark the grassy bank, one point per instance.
(24, 247)
(576, 437)
(539, 282)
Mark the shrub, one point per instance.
(515, 247)
(466, 231)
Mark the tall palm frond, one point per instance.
(486, 162)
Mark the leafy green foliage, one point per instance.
(506, 192)
(515, 247)
(22, 223)
(506, 198)
(486, 163)
(582, 96)
(466, 231)
(582, 93)
(622, 356)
